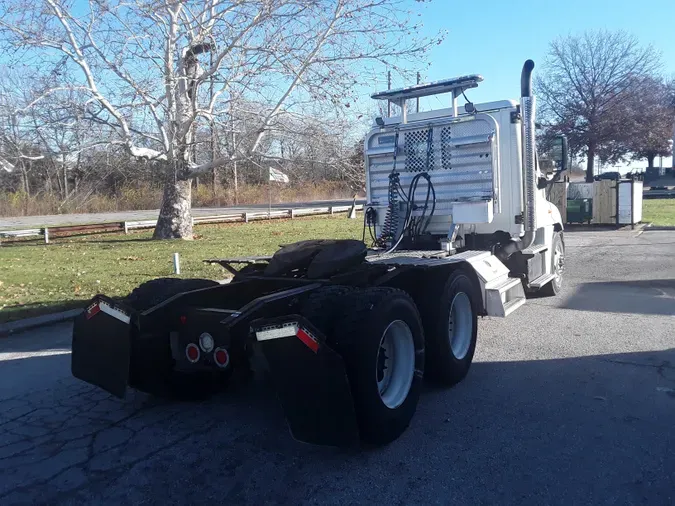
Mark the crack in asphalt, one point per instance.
(92, 438)
(56, 426)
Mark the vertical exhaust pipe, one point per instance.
(526, 79)
(528, 108)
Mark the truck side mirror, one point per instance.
(559, 152)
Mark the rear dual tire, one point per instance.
(450, 315)
(372, 326)
(379, 334)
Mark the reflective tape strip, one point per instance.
(92, 310)
(308, 339)
(268, 333)
(114, 312)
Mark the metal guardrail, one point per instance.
(22, 233)
(127, 226)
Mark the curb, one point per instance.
(658, 228)
(638, 227)
(601, 227)
(10, 328)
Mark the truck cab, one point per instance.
(482, 185)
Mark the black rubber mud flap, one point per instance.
(312, 384)
(101, 349)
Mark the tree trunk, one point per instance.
(49, 186)
(59, 181)
(26, 188)
(25, 181)
(650, 160)
(175, 216)
(590, 163)
(65, 182)
(236, 184)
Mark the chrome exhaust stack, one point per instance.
(528, 108)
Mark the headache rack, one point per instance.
(455, 85)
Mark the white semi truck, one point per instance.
(460, 228)
(487, 190)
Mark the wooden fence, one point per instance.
(558, 197)
(607, 209)
(604, 202)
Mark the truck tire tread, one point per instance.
(442, 367)
(357, 339)
(325, 306)
(551, 289)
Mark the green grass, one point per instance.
(36, 278)
(659, 212)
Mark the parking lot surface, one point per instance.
(570, 400)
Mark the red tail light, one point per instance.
(192, 352)
(221, 357)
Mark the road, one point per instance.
(570, 400)
(87, 218)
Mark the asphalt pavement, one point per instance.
(91, 218)
(570, 400)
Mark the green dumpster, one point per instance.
(579, 211)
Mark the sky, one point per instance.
(495, 37)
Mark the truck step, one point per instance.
(504, 296)
(541, 281)
(512, 305)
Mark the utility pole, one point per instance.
(417, 100)
(388, 88)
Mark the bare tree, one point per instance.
(18, 143)
(653, 118)
(584, 86)
(146, 67)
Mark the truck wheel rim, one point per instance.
(558, 264)
(395, 366)
(460, 325)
